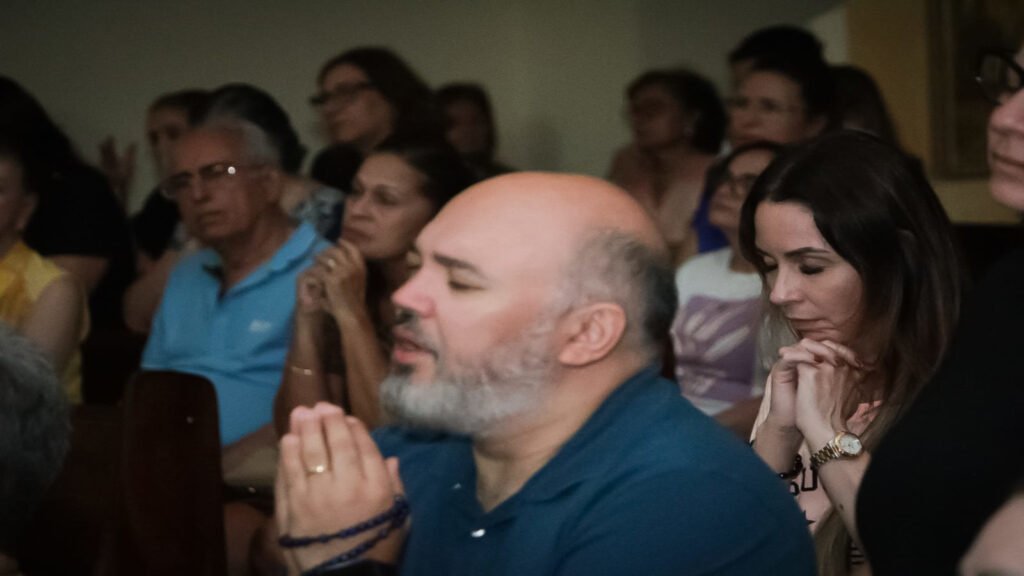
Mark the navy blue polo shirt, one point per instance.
(648, 485)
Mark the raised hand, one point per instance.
(309, 293)
(341, 270)
(332, 477)
(822, 389)
(119, 169)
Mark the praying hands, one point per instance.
(338, 499)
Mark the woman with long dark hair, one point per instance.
(860, 272)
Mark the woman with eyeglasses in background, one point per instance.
(366, 96)
(955, 458)
(714, 335)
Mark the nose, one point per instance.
(358, 205)
(1009, 116)
(197, 191)
(784, 288)
(415, 296)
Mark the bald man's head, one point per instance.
(578, 239)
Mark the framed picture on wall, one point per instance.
(960, 31)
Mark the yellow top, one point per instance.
(24, 274)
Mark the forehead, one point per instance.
(344, 74)
(785, 226)
(767, 84)
(388, 168)
(200, 147)
(652, 92)
(158, 117)
(505, 240)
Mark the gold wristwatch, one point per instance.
(844, 445)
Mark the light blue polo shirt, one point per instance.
(238, 340)
(649, 485)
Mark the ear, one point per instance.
(25, 211)
(272, 180)
(592, 332)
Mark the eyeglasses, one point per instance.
(999, 76)
(341, 94)
(761, 106)
(214, 177)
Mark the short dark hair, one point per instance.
(790, 42)
(476, 95)
(445, 172)
(416, 115)
(813, 77)
(34, 433)
(694, 93)
(192, 101)
(616, 266)
(249, 103)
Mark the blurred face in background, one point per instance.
(468, 129)
(354, 111)
(163, 128)
(386, 208)
(732, 190)
(16, 203)
(769, 106)
(1006, 140)
(657, 119)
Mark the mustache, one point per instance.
(408, 323)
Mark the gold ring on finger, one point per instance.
(318, 469)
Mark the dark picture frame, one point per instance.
(959, 31)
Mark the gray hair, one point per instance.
(614, 266)
(256, 145)
(34, 432)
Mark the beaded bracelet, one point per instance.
(345, 558)
(798, 466)
(400, 509)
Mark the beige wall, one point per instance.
(556, 69)
(890, 40)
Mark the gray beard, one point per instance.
(472, 399)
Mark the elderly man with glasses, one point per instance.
(226, 313)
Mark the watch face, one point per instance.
(850, 444)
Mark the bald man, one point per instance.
(535, 435)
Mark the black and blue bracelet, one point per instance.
(400, 509)
(346, 558)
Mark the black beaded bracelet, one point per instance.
(798, 467)
(399, 508)
(345, 559)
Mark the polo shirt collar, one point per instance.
(298, 245)
(583, 457)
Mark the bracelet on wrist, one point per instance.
(798, 467)
(396, 514)
(399, 510)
